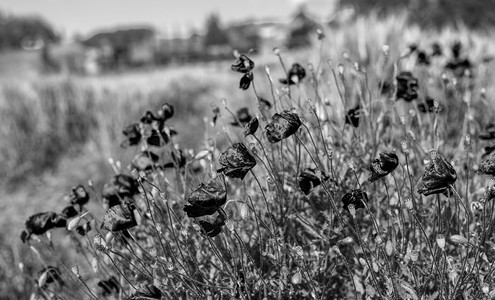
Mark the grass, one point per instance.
(277, 242)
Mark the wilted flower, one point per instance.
(488, 133)
(352, 116)
(108, 287)
(295, 75)
(439, 175)
(423, 58)
(245, 81)
(207, 199)
(282, 126)
(213, 229)
(355, 197)
(243, 64)
(242, 116)
(236, 161)
(119, 217)
(119, 187)
(308, 180)
(147, 292)
(407, 86)
(42, 222)
(382, 166)
(428, 106)
(144, 160)
(251, 127)
(49, 275)
(487, 165)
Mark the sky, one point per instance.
(168, 16)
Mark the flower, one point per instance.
(355, 197)
(207, 198)
(352, 116)
(436, 49)
(84, 228)
(119, 217)
(243, 64)
(488, 133)
(166, 112)
(133, 135)
(108, 287)
(145, 160)
(439, 175)
(242, 117)
(251, 127)
(407, 86)
(213, 229)
(308, 180)
(428, 106)
(69, 212)
(42, 222)
(49, 274)
(487, 165)
(282, 126)
(295, 75)
(119, 187)
(236, 161)
(147, 292)
(78, 195)
(382, 166)
(246, 81)
(423, 58)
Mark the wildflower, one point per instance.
(246, 81)
(251, 127)
(487, 165)
(439, 175)
(352, 116)
(178, 160)
(166, 112)
(108, 287)
(355, 197)
(382, 166)
(429, 106)
(48, 275)
(119, 217)
(295, 75)
(42, 222)
(243, 64)
(236, 161)
(207, 199)
(282, 126)
(132, 134)
(423, 58)
(242, 117)
(212, 229)
(119, 187)
(78, 195)
(488, 133)
(84, 228)
(308, 180)
(436, 49)
(407, 86)
(148, 292)
(145, 161)
(69, 212)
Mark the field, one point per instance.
(403, 240)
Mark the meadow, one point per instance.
(392, 204)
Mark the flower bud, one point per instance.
(352, 210)
(441, 241)
(389, 248)
(296, 278)
(75, 270)
(408, 203)
(458, 239)
(414, 255)
(346, 241)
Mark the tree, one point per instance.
(215, 36)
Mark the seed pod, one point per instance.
(441, 241)
(296, 278)
(458, 239)
(389, 248)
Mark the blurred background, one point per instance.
(74, 73)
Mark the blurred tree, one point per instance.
(15, 32)
(215, 36)
(301, 29)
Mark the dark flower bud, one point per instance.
(487, 165)
(246, 81)
(132, 134)
(84, 228)
(265, 104)
(243, 64)
(423, 59)
(79, 195)
(147, 292)
(308, 180)
(119, 217)
(243, 116)
(407, 86)
(148, 118)
(355, 197)
(42, 222)
(119, 187)
(459, 67)
(212, 229)
(251, 127)
(236, 161)
(384, 165)
(49, 275)
(456, 49)
(428, 106)
(436, 49)
(108, 287)
(207, 198)
(488, 133)
(487, 151)
(282, 126)
(353, 115)
(439, 175)
(166, 111)
(144, 161)
(69, 212)
(295, 75)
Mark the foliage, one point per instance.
(16, 31)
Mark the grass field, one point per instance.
(59, 131)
